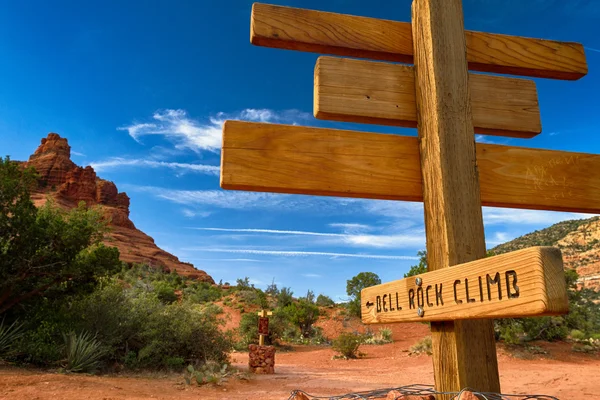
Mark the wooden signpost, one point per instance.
(263, 326)
(444, 168)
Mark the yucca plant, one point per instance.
(82, 352)
(9, 334)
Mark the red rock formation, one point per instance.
(68, 184)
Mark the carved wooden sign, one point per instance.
(521, 283)
(263, 325)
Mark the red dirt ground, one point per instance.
(561, 373)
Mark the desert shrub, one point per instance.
(165, 292)
(284, 298)
(202, 292)
(317, 337)
(9, 335)
(209, 373)
(382, 337)
(181, 330)
(41, 342)
(422, 346)
(302, 314)
(324, 301)
(83, 353)
(347, 344)
(509, 331)
(248, 296)
(577, 334)
(244, 284)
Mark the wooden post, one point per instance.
(464, 353)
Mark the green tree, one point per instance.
(421, 268)
(324, 301)
(355, 285)
(272, 289)
(284, 298)
(48, 248)
(303, 314)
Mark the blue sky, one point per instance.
(140, 89)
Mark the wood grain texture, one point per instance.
(316, 161)
(381, 93)
(347, 35)
(464, 352)
(528, 282)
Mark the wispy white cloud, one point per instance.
(312, 275)
(276, 231)
(191, 213)
(591, 49)
(284, 253)
(495, 216)
(409, 239)
(118, 162)
(76, 153)
(190, 133)
(351, 227)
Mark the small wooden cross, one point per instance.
(263, 326)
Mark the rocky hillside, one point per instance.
(68, 184)
(579, 241)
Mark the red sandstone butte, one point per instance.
(67, 184)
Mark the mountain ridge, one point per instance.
(579, 241)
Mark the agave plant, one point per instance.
(82, 352)
(8, 336)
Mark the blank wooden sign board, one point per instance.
(444, 168)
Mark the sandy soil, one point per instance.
(560, 373)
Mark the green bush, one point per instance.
(422, 346)
(302, 314)
(577, 334)
(382, 337)
(325, 301)
(9, 335)
(347, 344)
(284, 298)
(165, 292)
(202, 292)
(83, 353)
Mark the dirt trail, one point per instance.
(563, 374)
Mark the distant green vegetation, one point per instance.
(67, 301)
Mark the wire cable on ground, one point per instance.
(418, 389)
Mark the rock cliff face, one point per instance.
(68, 184)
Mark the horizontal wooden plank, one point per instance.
(316, 161)
(348, 35)
(370, 92)
(528, 282)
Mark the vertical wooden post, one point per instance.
(464, 352)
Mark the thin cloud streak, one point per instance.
(119, 162)
(276, 231)
(416, 239)
(304, 253)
